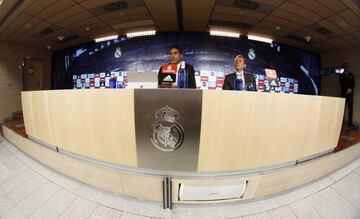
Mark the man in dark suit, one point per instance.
(240, 79)
(176, 57)
(347, 84)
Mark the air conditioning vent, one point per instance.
(46, 31)
(115, 6)
(246, 4)
(323, 31)
(110, 7)
(320, 29)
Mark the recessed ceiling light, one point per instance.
(61, 38)
(48, 47)
(87, 29)
(224, 34)
(277, 27)
(113, 37)
(141, 33)
(261, 39)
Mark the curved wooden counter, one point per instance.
(238, 130)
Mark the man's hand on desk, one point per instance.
(166, 85)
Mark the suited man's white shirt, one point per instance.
(240, 74)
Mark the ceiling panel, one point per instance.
(85, 15)
(202, 9)
(5, 35)
(19, 21)
(315, 37)
(164, 14)
(351, 18)
(268, 24)
(135, 26)
(283, 22)
(341, 23)
(219, 9)
(52, 10)
(62, 15)
(272, 2)
(332, 27)
(291, 17)
(314, 6)
(39, 6)
(89, 4)
(91, 18)
(85, 23)
(125, 13)
(300, 11)
(334, 5)
(128, 19)
(29, 24)
(352, 6)
(235, 18)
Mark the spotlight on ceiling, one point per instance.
(141, 33)
(113, 37)
(261, 39)
(60, 38)
(224, 34)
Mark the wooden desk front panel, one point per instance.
(251, 130)
(92, 123)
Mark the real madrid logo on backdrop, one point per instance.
(117, 52)
(251, 54)
(166, 134)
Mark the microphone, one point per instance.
(182, 65)
(182, 76)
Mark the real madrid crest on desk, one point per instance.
(166, 134)
(161, 118)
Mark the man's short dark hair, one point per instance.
(176, 47)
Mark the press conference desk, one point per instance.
(135, 138)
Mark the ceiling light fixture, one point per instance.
(224, 34)
(113, 37)
(141, 33)
(61, 38)
(261, 39)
